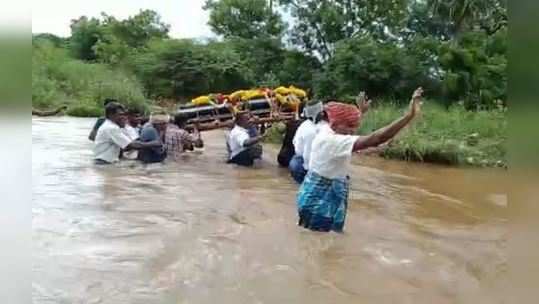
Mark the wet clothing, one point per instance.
(297, 170)
(287, 149)
(248, 156)
(322, 203)
(239, 154)
(236, 139)
(151, 155)
(177, 141)
(134, 134)
(332, 153)
(303, 141)
(323, 196)
(109, 142)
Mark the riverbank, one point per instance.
(58, 80)
(451, 137)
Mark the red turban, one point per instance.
(341, 113)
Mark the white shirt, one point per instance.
(133, 134)
(236, 139)
(331, 153)
(303, 141)
(109, 141)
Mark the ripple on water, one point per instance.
(205, 232)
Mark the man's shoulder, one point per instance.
(108, 125)
(307, 127)
(149, 128)
(238, 129)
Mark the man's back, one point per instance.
(303, 140)
(151, 155)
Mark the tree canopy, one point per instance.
(456, 49)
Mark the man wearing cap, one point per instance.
(299, 165)
(154, 131)
(111, 139)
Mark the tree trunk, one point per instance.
(48, 113)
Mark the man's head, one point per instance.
(160, 121)
(116, 113)
(134, 117)
(343, 118)
(244, 119)
(109, 100)
(180, 120)
(312, 109)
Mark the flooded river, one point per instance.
(202, 231)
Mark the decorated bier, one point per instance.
(217, 110)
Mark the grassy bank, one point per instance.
(454, 136)
(58, 79)
(451, 137)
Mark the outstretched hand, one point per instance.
(416, 102)
(363, 102)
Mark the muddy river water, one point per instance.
(202, 231)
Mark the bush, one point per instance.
(59, 79)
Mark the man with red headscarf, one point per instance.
(323, 196)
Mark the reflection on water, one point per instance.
(202, 231)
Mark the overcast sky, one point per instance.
(186, 17)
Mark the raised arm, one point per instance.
(386, 133)
(363, 102)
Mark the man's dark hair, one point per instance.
(109, 100)
(321, 116)
(134, 111)
(113, 108)
(180, 119)
(300, 108)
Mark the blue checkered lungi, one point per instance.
(322, 202)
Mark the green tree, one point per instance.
(180, 69)
(120, 37)
(85, 33)
(321, 24)
(247, 19)
(464, 15)
(475, 69)
(380, 68)
(111, 40)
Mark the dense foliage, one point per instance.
(334, 49)
(456, 50)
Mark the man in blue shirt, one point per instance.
(154, 130)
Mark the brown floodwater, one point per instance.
(202, 231)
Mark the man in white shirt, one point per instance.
(132, 130)
(299, 164)
(111, 138)
(243, 148)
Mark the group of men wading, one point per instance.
(317, 149)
